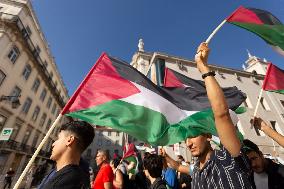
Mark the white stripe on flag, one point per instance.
(155, 102)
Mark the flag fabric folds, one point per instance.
(273, 80)
(262, 23)
(189, 92)
(116, 95)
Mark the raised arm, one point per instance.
(225, 128)
(263, 126)
(174, 164)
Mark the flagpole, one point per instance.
(37, 151)
(151, 63)
(257, 104)
(215, 31)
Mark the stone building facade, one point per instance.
(28, 73)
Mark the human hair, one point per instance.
(82, 130)
(154, 164)
(249, 146)
(116, 162)
(105, 153)
(180, 157)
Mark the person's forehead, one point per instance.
(252, 154)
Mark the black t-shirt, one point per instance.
(69, 177)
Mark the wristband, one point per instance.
(210, 73)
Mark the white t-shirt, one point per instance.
(261, 180)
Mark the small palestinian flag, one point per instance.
(273, 80)
(191, 92)
(116, 95)
(262, 23)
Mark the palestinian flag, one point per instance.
(116, 95)
(192, 93)
(273, 80)
(262, 23)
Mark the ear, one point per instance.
(209, 137)
(70, 140)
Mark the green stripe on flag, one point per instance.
(240, 110)
(277, 91)
(272, 34)
(146, 124)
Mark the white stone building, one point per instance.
(28, 72)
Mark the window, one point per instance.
(48, 124)
(2, 77)
(117, 133)
(264, 104)
(28, 30)
(27, 71)
(27, 105)
(282, 102)
(255, 80)
(109, 133)
(49, 102)
(42, 119)
(14, 54)
(35, 139)
(35, 114)
(58, 111)
(99, 142)
(221, 75)
(16, 91)
(35, 85)
(247, 103)
(2, 122)
(38, 50)
(238, 77)
(27, 135)
(51, 75)
(108, 142)
(15, 131)
(53, 108)
(45, 64)
(42, 95)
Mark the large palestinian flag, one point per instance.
(191, 92)
(262, 23)
(273, 80)
(116, 95)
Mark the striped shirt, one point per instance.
(222, 171)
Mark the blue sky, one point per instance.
(79, 31)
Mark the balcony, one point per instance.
(34, 52)
(11, 145)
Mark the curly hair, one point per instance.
(154, 164)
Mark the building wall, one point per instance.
(31, 131)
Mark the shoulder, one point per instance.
(106, 168)
(171, 171)
(223, 157)
(159, 184)
(70, 177)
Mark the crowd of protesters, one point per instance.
(235, 164)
